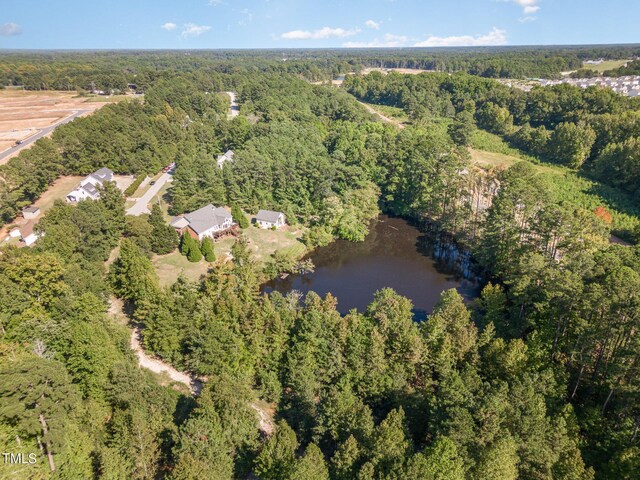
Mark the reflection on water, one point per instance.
(395, 254)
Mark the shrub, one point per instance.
(131, 189)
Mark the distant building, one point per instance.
(208, 221)
(270, 219)
(227, 157)
(87, 189)
(30, 213)
(28, 235)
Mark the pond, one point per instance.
(395, 254)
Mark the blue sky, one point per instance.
(41, 24)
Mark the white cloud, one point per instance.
(529, 7)
(10, 29)
(169, 26)
(494, 37)
(326, 32)
(215, 3)
(388, 41)
(193, 30)
(372, 24)
(526, 19)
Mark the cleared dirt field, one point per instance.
(24, 114)
(20, 109)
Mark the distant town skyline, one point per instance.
(192, 24)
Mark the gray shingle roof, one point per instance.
(90, 189)
(206, 218)
(268, 216)
(103, 174)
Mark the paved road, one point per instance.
(142, 204)
(234, 109)
(41, 133)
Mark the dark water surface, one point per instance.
(395, 254)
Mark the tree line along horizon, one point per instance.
(538, 378)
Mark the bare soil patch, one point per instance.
(408, 71)
(24, 113)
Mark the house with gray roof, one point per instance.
(270, 219)
(208, 221)
(227, 157)
(88, 187)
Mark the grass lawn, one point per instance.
(606, 65)
(262, 244)
(170, 267)
(58, 190)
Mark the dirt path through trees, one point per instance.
(158, 366)
(370, 109)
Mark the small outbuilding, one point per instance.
(14, 233)
(30, 213)
(270, 219)
(28, 235)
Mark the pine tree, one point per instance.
(277, 459)
(239, 217)
(184, 243)
(312, 466)
(208, 250)
(164, 239)
(194, 254)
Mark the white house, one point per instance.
(227, 157)
(87, 189)
(270, 219)
(14, 233)
(208, 221)
(27, 235)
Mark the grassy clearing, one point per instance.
(489, 142)
(110, 98)
(262, 243)
(394, 113)
(487, 160)
(606, 65)
(575, 190)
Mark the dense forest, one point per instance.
(117, 71)
(538, 378)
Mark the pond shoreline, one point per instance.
(395, 254)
